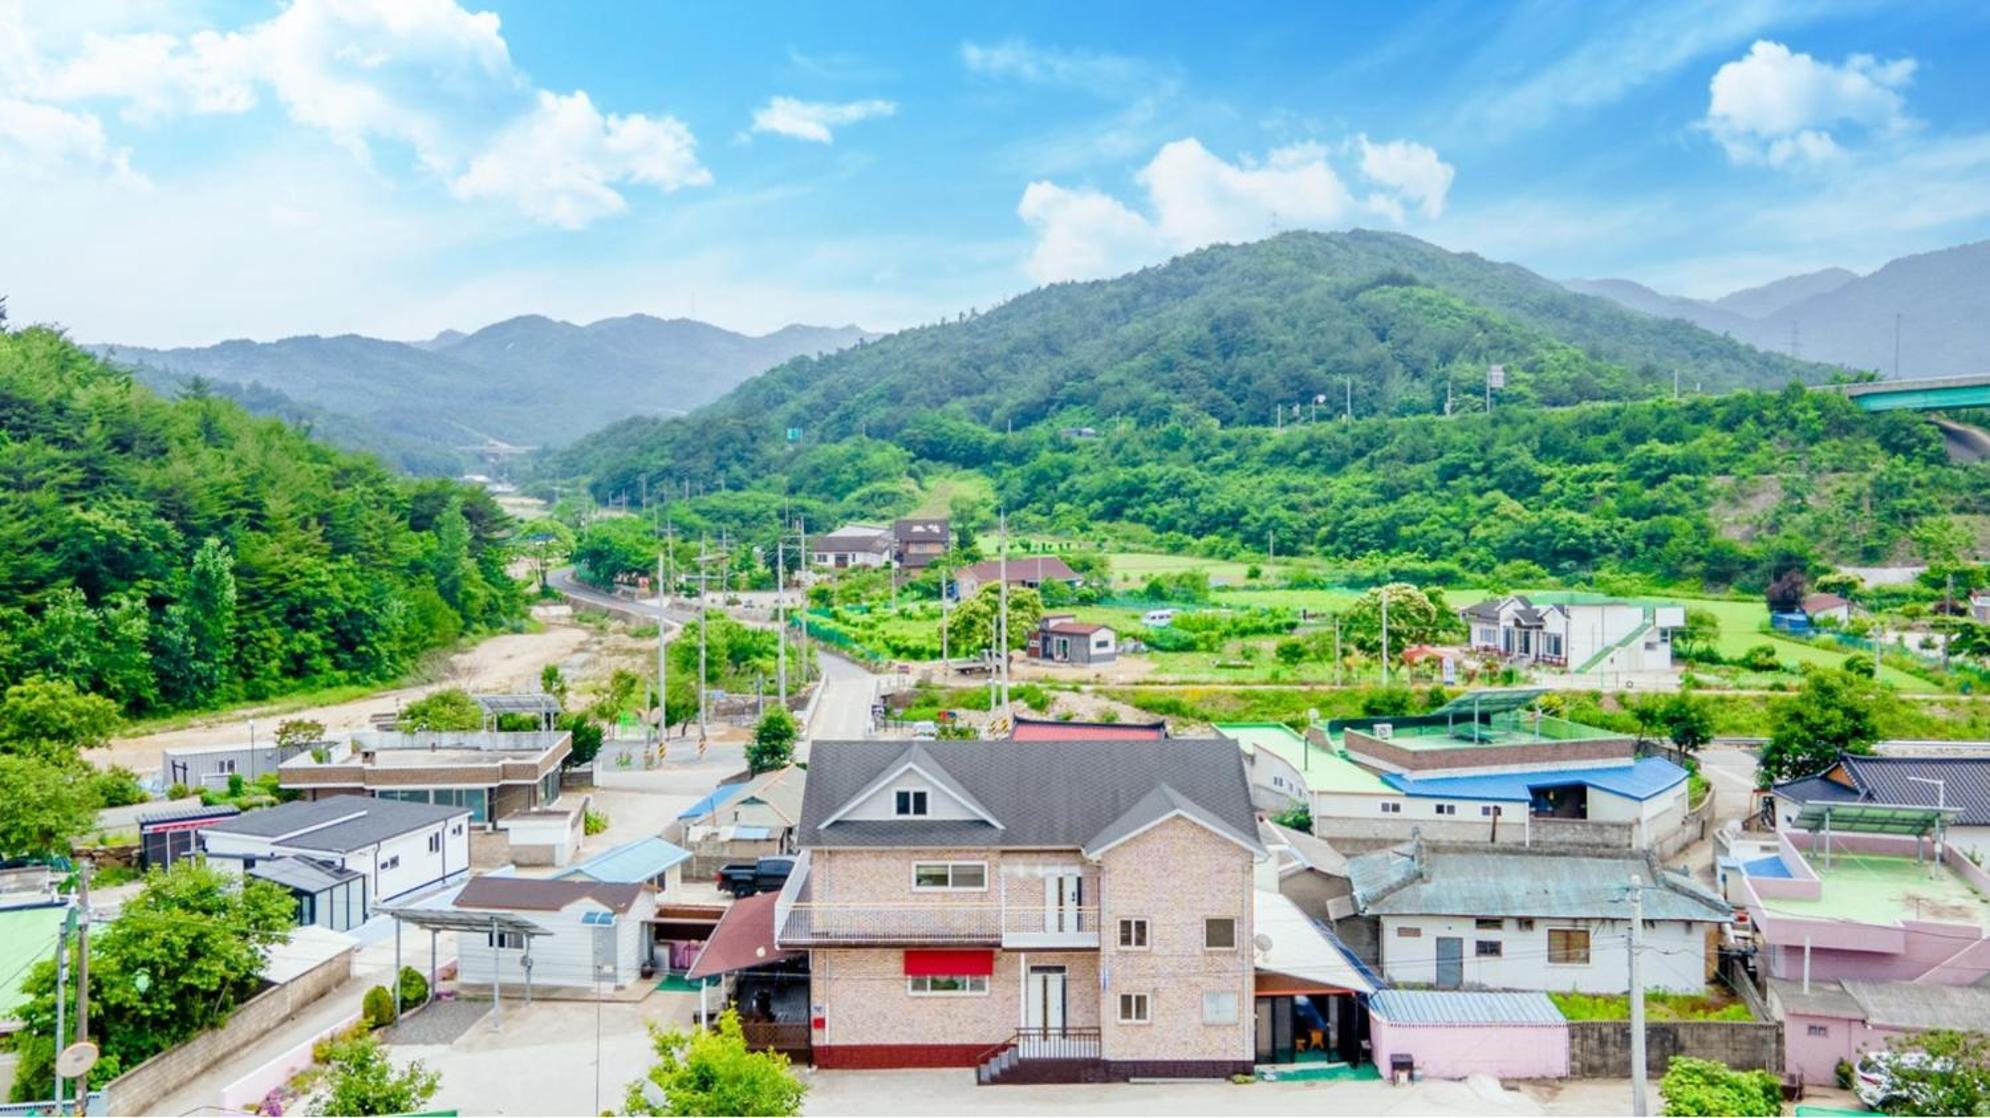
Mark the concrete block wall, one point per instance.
(1602, 1049)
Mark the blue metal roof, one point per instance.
(631, 862)
(1640, 780)
(718, 796)
(1463, 1007)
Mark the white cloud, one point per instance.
(1411, 169)
(43, 141)
(1107, 75)
(813, 120)
(1778, 106)
(560, 162)
(1196, 198)
(427, 74)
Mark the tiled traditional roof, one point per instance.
(1962, 782)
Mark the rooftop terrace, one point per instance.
(1883, 889)
(1325, 770)
(1462, 731)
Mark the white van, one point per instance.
(1158, 618)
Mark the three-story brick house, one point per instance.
(1037, 909)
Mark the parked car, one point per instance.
(743, 879)
(1873, 1076)
(1158, 618)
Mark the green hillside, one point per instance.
(181, 554)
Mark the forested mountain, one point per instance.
(1938, 301)
(531, 381)
(1176, 371)
(180, 554)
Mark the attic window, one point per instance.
(910, 801)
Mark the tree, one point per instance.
(773, 744)
(971, 624)
(1786, 593)
(45, 805)
(449, 709)
(1688, 720)
(1694, 1088)
(52, 720)
(1833, 712)
(208, 616)
(361, 1080)
(182, 954)
(587, 738)
(299, 731)
(1299, 817)
(545, 542)
(1413, 619)
(1697, 639)
(713, 1073)
(1951, 1077)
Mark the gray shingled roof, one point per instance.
(1045, 794)
(338, 823)
(1485, 883)
(1910, 1005)
(1965, 783)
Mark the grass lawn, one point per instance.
(1658, 1007)
(1739, 622)
(936, 498)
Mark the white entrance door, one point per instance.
(1063, 898)
(1043, 1010)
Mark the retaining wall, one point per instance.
(138, 1090)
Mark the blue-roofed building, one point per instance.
(644, 861)
(742, 820)
(1493, 766)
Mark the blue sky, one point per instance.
(179, 173)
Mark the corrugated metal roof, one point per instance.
(1641, 780)
(634, 861)
(716, 797)
(1463, 1007)
(1523, 884)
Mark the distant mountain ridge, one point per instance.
(529, 380)
(1937, 302)
(1234, 334)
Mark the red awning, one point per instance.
(949, 964)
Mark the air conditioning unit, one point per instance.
(1383, 731)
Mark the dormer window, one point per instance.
(911, 801)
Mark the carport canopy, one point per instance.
(444, 920)
(1875, 819)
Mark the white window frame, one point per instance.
(950, 887)
(1212, 1011)
(1207, 946)
(1391, 807)
(435, 843)
(1444, 809)
(1142, 1003)
(972, 986)
(507, 941)
(909, 797)
(390, 863)
(1146, 935)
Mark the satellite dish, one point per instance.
(76, 1059)
(1262, 942)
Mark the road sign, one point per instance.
(1496, 377)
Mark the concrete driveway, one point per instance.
(546, 1059)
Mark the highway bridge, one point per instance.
(1934, 394)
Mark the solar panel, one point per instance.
(1494, 700)
(1878, 819)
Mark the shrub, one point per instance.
(1761, 658)
(1844, 1075)
(414, 987)
(377, 1007)
(594, 822)
(1692, 1088)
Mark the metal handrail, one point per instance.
(1050, 1042)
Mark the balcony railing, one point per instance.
(965, 919)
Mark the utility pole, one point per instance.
(1896, 345)
(1337, 653)
(1384, 591)
(1640, 1104)
(704, 623)
(781, 617)
(662, 672)
(83, 974)
(944, 573)
(801, 639)
(1349, 415)
(62, 994)
(1002, 627)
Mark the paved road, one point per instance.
(848, 693)
(1732, 774)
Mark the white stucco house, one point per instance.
(401, 848)
(1531, 920)
(597, 934)
(1576, 632)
